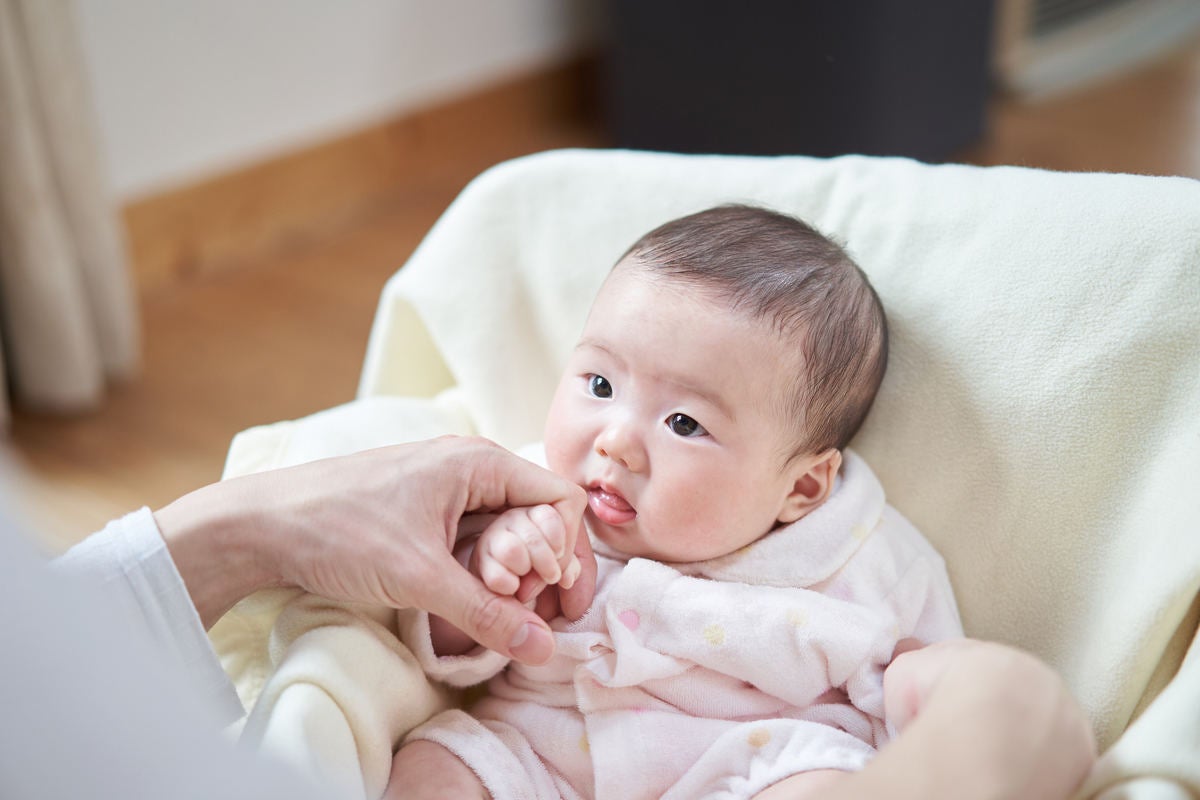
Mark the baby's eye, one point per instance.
(683, 425)
(599, 386)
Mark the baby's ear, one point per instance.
(812, 480)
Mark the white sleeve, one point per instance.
(92, 705)
(130, 562)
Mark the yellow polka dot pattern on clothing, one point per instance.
(861, 532)
(715, 635)
(797, 617)
(758, 737)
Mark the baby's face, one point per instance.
(668, 414)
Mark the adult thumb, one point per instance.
(497, 622)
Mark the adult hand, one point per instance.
(375, 527)
(1005, 723)
(978, 721)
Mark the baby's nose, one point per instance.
(621, 443)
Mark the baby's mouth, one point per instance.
(609, 506)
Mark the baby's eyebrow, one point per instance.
(596, 344)
(712, 398)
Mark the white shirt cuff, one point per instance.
(130, 560)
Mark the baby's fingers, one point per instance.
(497, 577)
(544, 535)
(503, 559)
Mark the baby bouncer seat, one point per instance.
(1039, 422)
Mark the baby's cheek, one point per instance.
(555, 458)
(563, 454)
(565, 436)
(710, 521)
(555, 444)
(692, 513)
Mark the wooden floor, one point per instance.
(286, 336)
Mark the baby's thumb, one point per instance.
(498, 623)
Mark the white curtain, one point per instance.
(67, 307)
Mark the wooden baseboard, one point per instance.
(241, 217)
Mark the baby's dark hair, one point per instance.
(781, 269)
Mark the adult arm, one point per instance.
(93, 706)
(375, 527)
(977, 720)
(128, 562)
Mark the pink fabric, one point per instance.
(713, 679)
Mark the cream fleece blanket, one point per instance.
(1040, 420)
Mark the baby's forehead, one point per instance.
(720, 303)
(770, 361)
(721, 294)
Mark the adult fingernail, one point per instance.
(532, 644)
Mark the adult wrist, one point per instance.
(220, 551)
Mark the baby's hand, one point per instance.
(524, 542)
(517, 553)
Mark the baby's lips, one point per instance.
(610, 507)
(613, 499)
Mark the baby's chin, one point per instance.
(691, 550)
(621, 543)
(626, 542)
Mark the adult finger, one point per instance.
(497, 478)
(498, 623)
(576, 600)
(546, 605)
(545, 598)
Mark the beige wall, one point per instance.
(186, 89)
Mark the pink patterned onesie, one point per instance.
(713, 679)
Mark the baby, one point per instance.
(752, 583)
